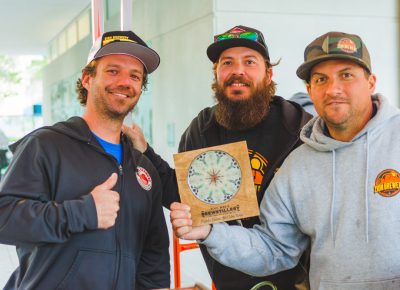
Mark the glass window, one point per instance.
(53, 50)
(83, 25)
(72, 35)
(112, 8)
(62, 43)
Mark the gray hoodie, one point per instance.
(339, 197)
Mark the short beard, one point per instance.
(243, 114)
(109, 113)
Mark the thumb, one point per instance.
(110, 182)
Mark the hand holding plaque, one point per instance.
(217, 183)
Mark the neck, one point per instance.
(344, 136)
(105, 128)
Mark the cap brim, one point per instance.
(145, 55)
(216, 48)
(304, 70)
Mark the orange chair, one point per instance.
(177, 249)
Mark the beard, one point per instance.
(116, 109)
(247, 113)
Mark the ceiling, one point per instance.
(27, 26)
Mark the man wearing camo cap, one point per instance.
(338, 192)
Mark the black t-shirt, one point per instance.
(264, 150)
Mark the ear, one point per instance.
(85, 80)
(372, 82)
(269, 74)
(308, 87)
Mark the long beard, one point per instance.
(243, 114)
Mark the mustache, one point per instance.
(335, 99)
(236, 78)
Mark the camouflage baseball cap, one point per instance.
(334, 45)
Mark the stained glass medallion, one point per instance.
(214, 177)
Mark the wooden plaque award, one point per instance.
(217, 183)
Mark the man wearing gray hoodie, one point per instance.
(338, 192)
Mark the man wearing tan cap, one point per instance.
(81, 206)
(338, 192)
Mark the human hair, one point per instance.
(90, 70)
(81, 91)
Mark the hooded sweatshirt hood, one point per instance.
(313, 133)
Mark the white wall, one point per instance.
(289, 25)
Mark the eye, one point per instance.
(318, 79)
(250, 62)
(136, 77)
(112, 71)
(347, 75)
(226, 62)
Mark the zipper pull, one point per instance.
(121, 171)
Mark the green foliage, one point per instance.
(9, 76)
(36, 67)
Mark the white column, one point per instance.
(126, 14)
(97, 19)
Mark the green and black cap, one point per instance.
(238, 36)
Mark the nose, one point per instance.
(124, 80)
(238, 68)
(334, 87)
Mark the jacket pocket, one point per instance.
(388, 284)
(91, 269)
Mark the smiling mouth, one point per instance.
(237, 85)
(121, 95)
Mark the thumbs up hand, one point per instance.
(107, 202)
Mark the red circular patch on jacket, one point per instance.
(144, 178)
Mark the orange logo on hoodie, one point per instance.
(387, 183)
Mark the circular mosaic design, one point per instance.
(214, 177)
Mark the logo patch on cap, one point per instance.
(144, 178)
(387, 183)
(237, 30)
(347, 45)
(112, 38)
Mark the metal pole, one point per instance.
(126, 14)
(97, 19)
(126, 24)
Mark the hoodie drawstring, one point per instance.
(333, 196)
(366, 203)
(366, 189)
